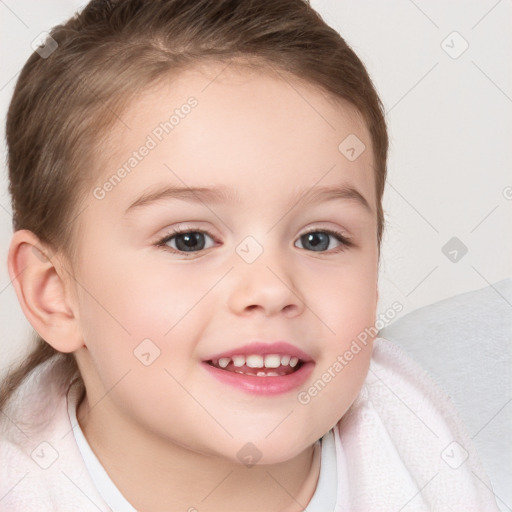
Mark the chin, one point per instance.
(269, 451)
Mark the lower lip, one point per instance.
(262, 385)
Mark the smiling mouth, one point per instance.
(270, 365)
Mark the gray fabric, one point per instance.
(465, 343)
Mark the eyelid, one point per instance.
(344, 239)
(333, 231)
(182, 228)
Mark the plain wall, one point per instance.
(449, 118)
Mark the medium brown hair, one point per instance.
(65, 102)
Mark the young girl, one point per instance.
(196, 190)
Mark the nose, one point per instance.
(267, 285)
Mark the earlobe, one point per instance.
(37, 280)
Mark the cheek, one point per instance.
(336, 386)
(345, 303)
(132, 308)
(135, 326)
(345, 297)
(141, 296)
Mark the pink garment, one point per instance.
(401, 446)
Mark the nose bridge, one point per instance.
(263, 277)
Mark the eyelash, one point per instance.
(344, 241)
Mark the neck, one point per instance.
(154, 475)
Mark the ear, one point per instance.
(39, 280)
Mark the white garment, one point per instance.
(324, 498)
(400, 447)
(465, 343)
(104, 485)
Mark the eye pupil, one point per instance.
(317, 239)
(189, 241)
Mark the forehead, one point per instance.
(245, 123)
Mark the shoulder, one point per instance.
(32, 408)
(399, 388)
(42, 468)
(403, 432)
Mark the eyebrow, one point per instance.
(222, 194)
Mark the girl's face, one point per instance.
(253, 156)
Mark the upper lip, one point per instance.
(263, 348)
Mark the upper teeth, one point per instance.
(259, 361)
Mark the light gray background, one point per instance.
(449, 123)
